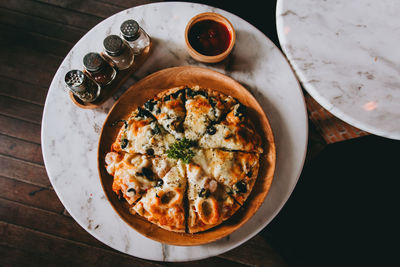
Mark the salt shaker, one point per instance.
(118, 51)
(136, 37)
(82, 86)
(99, 69)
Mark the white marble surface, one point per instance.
(346, 55)
(70, 134)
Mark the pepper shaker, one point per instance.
(118, 51)
(99, 69)
(135, 36)
(82, 86)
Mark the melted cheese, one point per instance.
(127, 170)
(164, 205)
(199, 114)
(149, 136)
(169, 110)
(232, 137)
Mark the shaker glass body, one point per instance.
(119, 52)
(140, 43)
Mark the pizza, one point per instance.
(186, 160)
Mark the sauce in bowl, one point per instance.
(209, 37)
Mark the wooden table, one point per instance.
(35, 227)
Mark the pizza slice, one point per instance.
(203, 109)
(209, 203)
(163, 204)
(135, 174)
(169, 110)
(236, 132)
(141, 133)
(236, 170)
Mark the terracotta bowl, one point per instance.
(215, 17)
(147, 88)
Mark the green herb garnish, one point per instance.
(181, 150)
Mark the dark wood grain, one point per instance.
(42, 26)
(20, 149)
(20, 109)
(20, 129)
(64, 250)
(33, 195)
(52, 13)
(90, 7)
(23, 171)
(23, 91)
(45, 221)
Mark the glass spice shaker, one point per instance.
(99, 69)
(82, 86)
(136, 37)
(118, 51)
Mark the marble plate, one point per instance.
(70, 134)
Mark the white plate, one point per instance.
(70, 134)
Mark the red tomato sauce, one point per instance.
(209, 37)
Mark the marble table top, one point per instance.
(346, 55)
(70, 134)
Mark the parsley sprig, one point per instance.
(181, 150)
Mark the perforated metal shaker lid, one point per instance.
(130, 30)
(93, 62)
(113, 45)
(75, 79)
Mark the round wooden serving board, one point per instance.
(147, 88)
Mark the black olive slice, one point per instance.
(131, 190)
(159, 183)
(211, 130)
(155, 130)
(142, 113)
(150, 151)
(124, 143)
(241, 187)
(149, 105)
(148, 173)
(204, 193)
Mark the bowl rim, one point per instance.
(218, 18)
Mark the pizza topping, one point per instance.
(181, 150)
(150, 151)
(146, 172)
(208, 211)
(124, 143)
(159, 183)
(142, 113)
(211, 130)
(241, 187)
(239, 110)
(168, 197)
(118, 121)
(205, 193)
(155, 130)
(149, 105)
(131, 192)
(211, 185)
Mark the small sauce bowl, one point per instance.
(209, 37)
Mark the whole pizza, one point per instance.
(186, 160)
